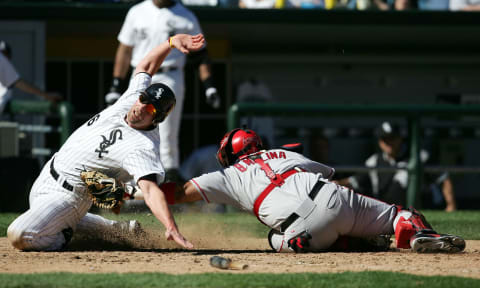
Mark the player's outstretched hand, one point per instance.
(175, 235)
(186, 43)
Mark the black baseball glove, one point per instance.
(106, 192)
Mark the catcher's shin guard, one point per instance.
(406, 224)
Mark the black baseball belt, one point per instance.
(55, 176)
(294, 216)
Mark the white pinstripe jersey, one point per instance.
(147, 26)
(239, 185)
(107, 144)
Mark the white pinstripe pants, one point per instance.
(52, 209)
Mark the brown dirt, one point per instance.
(156, 255)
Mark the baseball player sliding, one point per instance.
(121, 142)
(293, 195)
(146, 25)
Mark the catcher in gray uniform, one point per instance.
(293, 195)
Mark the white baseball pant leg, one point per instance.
(169, 129)
(52, 209)
(96, 226)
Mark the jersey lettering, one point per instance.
(265, 157)
(108, 142)
(272, 155)
(240, 167)
(93, 119)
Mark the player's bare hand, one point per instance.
(186, 43)
(174, 235)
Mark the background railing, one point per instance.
(412, 113)
(64, 110)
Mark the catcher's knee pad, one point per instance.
(277, 242)
(406, 224)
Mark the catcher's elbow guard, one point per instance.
(169, 191)
(277, 242)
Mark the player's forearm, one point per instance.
(204, 71)
(122, 61)
(151, 63)
(29, 88)
(447, 189)
(471, 8)
(157, 203)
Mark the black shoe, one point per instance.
(67, 234)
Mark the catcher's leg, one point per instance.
(413, 231)
(406, 224)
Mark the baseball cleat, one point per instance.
(131, 227)
(432, 243)
(135, 228)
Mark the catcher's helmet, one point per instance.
(238, 143)
(162, 98)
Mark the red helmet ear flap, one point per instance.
(225, 155)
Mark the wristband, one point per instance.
(170, 42)
(116, 84)
(169, 191)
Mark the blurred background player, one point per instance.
(391, 186)
(10, 78)
(146, 25)
(254, 90)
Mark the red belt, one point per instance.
(261, 197)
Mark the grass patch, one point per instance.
(230, 280)
(463, 223)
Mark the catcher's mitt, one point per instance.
(105, 191)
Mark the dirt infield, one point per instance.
(158, 256)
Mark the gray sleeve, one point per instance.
(214, 188)
(315, 167)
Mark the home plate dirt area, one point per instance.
(155, 254)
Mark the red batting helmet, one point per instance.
(238, 143)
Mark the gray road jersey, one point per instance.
(106, 143)
(240, 184)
